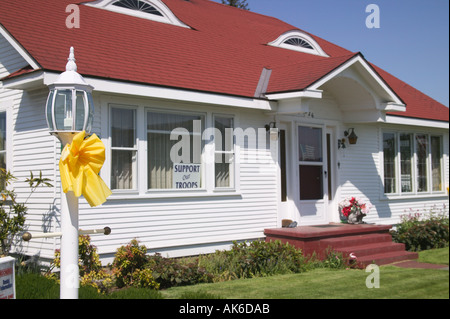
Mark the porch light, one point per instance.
(352, 138)
(69, 108)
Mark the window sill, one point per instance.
(413, 196)
(120, 195)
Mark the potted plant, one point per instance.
(354, 210)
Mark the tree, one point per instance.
(242, 4)
(12, 213)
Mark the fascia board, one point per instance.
(167, 93)
(359, 59)
(19, 48)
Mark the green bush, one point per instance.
(254, 259)
(130, 267)
(91, 271)
(423, 231)
(169, 272)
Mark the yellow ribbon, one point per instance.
(79, 167)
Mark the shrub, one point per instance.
(169, 272)
(257, 258)
(423, 231)
(91, 271)
(129, 267)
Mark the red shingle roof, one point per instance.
(224, 51)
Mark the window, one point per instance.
(224, 152)
(436, 163)
(138, 6)
(412, 163)
(422, 162)
(154, 10)
(2, 145)
(174, 141)
(390, 152)
(406, 160)
(123, 148)
(299, 42)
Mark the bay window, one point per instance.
(412, 163)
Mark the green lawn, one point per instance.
(329, 284)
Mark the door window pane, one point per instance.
(310, 144)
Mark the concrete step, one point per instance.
(355, 240)
(371, 249)
(386, 258)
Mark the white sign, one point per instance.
(186, 176)
(7, 283)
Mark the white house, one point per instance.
(158, 65)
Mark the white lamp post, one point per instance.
(69, 110)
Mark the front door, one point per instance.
(312, 171)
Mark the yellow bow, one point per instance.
(79, 167)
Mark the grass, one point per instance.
(435, 256)
(395, 283)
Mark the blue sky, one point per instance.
(412, 42)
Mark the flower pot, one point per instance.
(355, 218)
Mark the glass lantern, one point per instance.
(70, 107)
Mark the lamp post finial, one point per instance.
(71, 65)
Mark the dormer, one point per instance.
(154, 10)
(297, 40)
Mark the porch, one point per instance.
(371, 244)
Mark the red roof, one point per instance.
(224, 51)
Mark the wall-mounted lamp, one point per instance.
(274, 132)
(270, 126)
(350, 134)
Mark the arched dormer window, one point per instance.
(138, 6)
(154, 10)
(298, 41)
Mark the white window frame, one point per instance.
(142, 191)
(414, 193)
(232, 173)
(135, 148)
